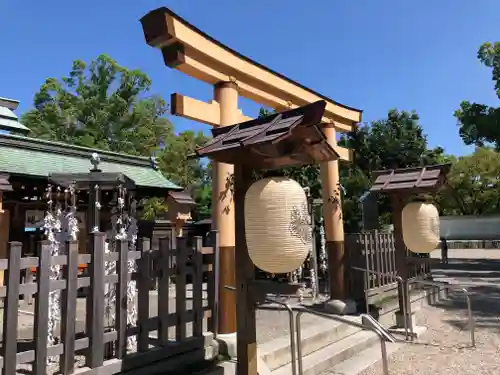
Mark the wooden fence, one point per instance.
(160, 335)
(375, 251)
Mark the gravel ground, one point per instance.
(445, 348)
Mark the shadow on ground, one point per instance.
(482, 279)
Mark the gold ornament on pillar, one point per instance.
(420, 222)
(277, 224)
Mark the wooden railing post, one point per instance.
(377, 249)
(144, 267)
(180, 289)
(165, 272)
(198, 286)
(41, 329)
(121, 305)
(213, 283)
(68, 312)
(11, 307)
(95, 302)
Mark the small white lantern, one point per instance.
(420, 222)
(277, 224)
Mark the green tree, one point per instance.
(480, 123)
(106, 106)
(474, 184)
(102, 105)
(397, 141)
(192, 173)
(175, 162)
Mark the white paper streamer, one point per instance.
(322, 248)
(59, 226)
(124, 227)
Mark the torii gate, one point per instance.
(191, 51)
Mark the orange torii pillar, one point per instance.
(226, 95)
(334, 231)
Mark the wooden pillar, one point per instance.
(246, 319)
(226, 94)
(334, 224)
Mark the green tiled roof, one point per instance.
(10, 122)
(33, 157)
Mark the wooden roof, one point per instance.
(291, 137)
(182, 197)
(419, 179)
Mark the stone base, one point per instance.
(417, 332)
(211, 346)
(340, 307)
(437, 294)
(400, 323)
(227, 344)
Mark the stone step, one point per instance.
(331, 355)
(276, 353)
(368, 357)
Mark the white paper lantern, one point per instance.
(277, 224)
(420, 223)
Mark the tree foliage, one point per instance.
(106, 106)
(175, 162)
(397, 141)
(474, 184)
(100, 105)
(480, 123)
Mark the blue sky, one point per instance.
(373, 55)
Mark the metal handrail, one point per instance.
(302, 309)
(375, 324)
(293, 351)
(401, 283)
(467, 299)
(296, 351)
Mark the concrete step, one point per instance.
(333, 354)
(276, 353)
(368, 357)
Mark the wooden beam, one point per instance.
(345, 154)
(245, 118)
(197, 110)
(209, 113)
(179, 40)
(198, 70)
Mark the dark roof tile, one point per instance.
(286, 138)
(182, 197)
(403, 179)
